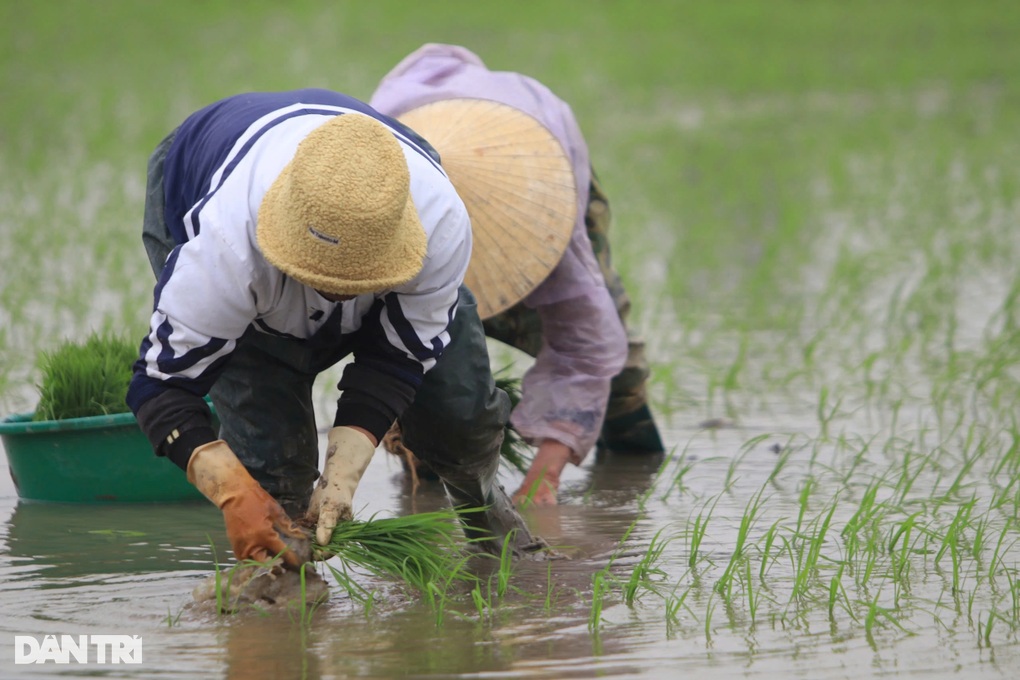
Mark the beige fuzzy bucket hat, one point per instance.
(339, 218)
(517, 183)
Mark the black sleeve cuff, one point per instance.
(363, 416)
(175, 423)
(371, 399)
(180, 447)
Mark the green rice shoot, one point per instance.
(424, 551)
(514, 451)
(85, 379)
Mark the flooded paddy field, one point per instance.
(815, 214)
(746, 554)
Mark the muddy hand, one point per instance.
(256, 524)
(300, 545)
(542, 481)
(347, 457)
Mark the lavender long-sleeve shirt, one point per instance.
(564, 394)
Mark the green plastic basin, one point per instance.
(100, 459)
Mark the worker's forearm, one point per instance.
(176, 422)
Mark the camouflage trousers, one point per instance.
(629, 425)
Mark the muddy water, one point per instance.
(131, 569)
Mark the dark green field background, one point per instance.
(724, 131)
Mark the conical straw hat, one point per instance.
(518, 186)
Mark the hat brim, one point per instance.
(519, 189)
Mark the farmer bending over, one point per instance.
(587, 384)
(288, 231)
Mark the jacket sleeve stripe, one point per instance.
(405, 331)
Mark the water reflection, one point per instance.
(62, 542)
(275, 646)
(597, 509)
(621, 478)
(598, 503)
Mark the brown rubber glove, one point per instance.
(347, 457)
(255, 521)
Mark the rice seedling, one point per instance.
(977, 541)
(837, 593)
(731, 469)
(547, 604)
(986, 629)
(423, 550)
(1014, 597)
(725, 583)
(709, 610)
(514, 451)
(600, 582)
(89, 378)
(483, 603)
(753, 595)
(971, 598)
(782, 460)
(808, 559)
(995, 563)
(221, 583)
(673, 605)
(862, 520)
(889, 534)
(826, 412)
(645, 574)
(766, 551)
(1008, 462)
(697, 534)
(900, 559)
(802, 502)
(876, 615)
(172, 620)
(506, 565)
(963, 470)
(953, 536)
(304, 609)
(906, 480)
(436, 596)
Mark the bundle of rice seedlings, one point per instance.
(427, 551)
(85, 379)
(514, 451)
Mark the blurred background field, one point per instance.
(815, 213)
(748, 148)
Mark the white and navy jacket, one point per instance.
(216, 284)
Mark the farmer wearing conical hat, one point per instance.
(540, 267)
(288, 231)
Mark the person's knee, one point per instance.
(455, 440)
(459, 430)
(459, 414)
